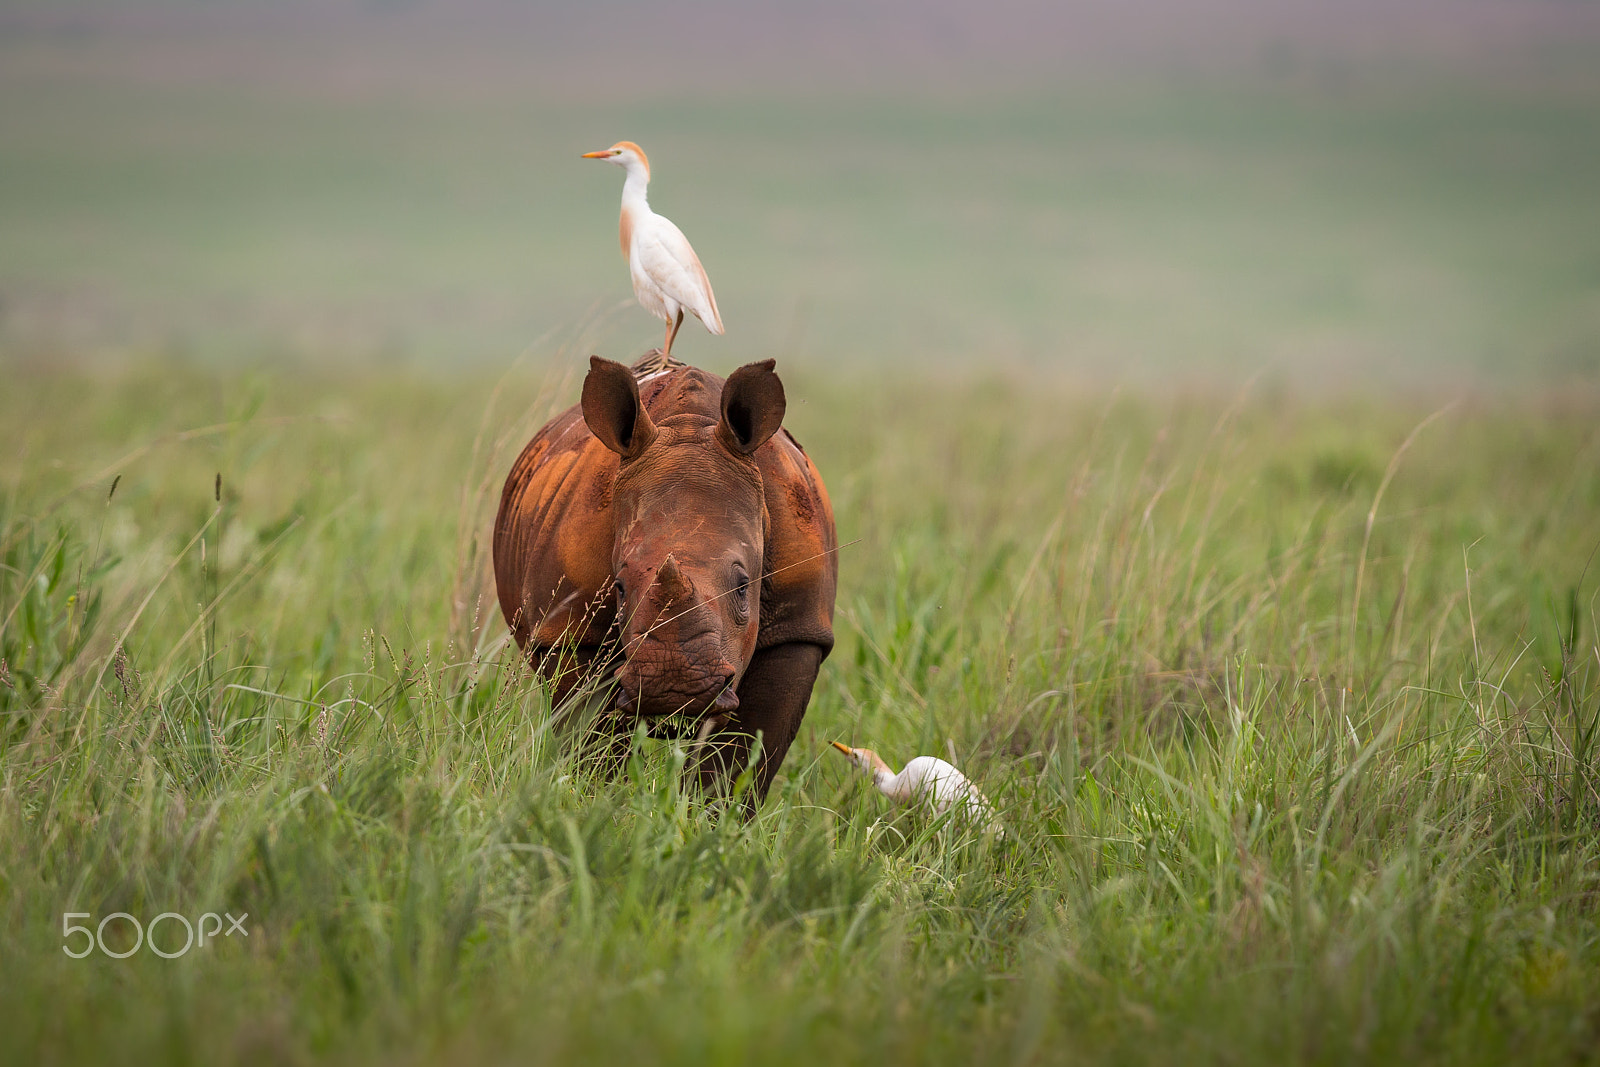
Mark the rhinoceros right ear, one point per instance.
(752, 407)
(612, 408)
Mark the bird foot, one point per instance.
(655, 362)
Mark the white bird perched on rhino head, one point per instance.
(667, 276)
(928, 779)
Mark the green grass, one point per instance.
(1291, 726)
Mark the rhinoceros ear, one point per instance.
(612, 409)
(752, 407)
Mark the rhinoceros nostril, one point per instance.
(727, 699)
(627, 688)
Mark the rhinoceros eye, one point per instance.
(741, 590)
(621, 591)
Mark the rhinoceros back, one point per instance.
(552, 537)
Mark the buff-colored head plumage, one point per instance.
(865, 758)
(623, 153)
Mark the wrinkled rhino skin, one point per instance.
(672, 530)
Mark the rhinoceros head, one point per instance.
(686, 559)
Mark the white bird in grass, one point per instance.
(667, 276)
(928, 779)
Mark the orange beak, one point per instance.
(604, 153)
(846, 749)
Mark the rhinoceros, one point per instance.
(667, 537)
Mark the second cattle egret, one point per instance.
(928, 779)
(667, 276)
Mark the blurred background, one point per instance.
(1398, 191)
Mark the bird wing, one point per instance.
(668, 259)
(934, 780)
(943, 786)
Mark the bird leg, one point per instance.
(672, 331)
(659, 360)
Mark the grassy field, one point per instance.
(1287, 692)
(1288, 705)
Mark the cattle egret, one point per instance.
(928, 779)
(667, 276)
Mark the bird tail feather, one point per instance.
(714, 321)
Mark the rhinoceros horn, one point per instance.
(674, 586)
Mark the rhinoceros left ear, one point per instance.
(612, 408)
(752, 406)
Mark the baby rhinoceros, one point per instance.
(668, 536)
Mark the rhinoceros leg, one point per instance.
(772, 700)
